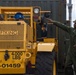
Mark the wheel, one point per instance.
(45, 61)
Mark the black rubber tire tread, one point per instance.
(44, 63)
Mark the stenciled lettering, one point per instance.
(9, 32)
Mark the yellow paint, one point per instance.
(6, 68)
(45, 47)
(20, 38)
(54, 68)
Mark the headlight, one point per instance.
(36, 10)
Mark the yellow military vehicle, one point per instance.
(20, 49)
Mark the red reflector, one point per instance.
(36, 17)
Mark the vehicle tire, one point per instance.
(45, 63)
